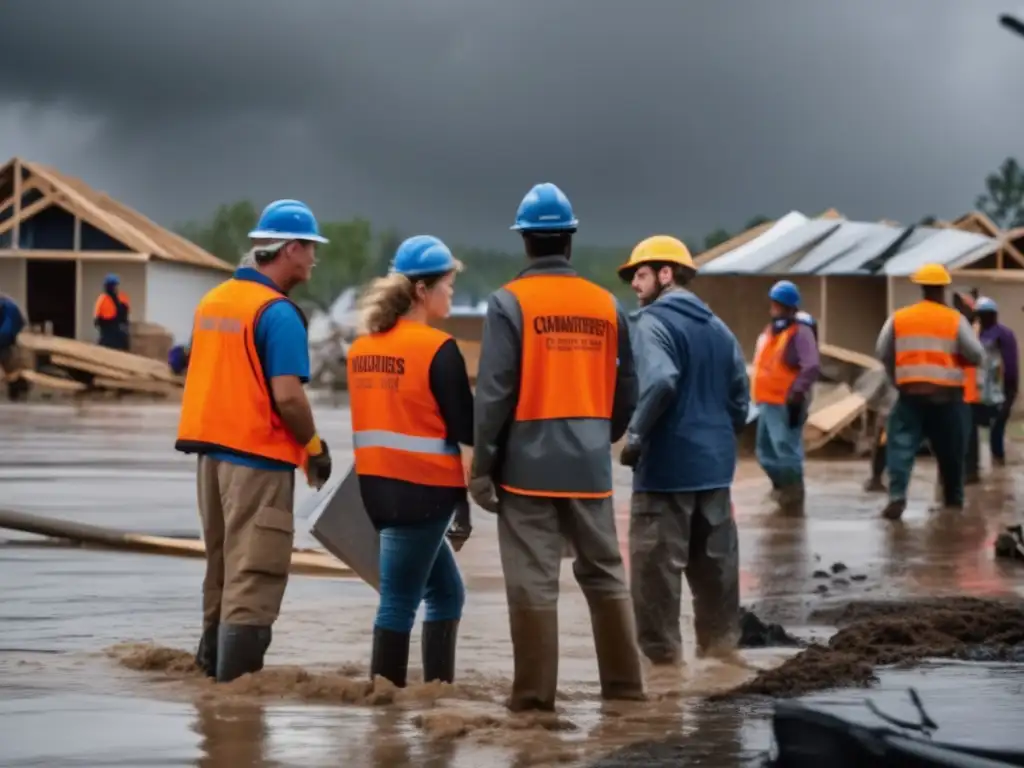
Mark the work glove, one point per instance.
(630, 451)
(484, 493)
(318, 467)
(461, 527)
(795, 407)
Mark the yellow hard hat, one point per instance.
(931, 274)
(660, 248)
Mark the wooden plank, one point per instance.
(135, 385)
(136, 365)
(48, 255)
(849, 356)
(823, 425)
(84, 365)
(46, 381)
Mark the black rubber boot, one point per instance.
(390, 657)
(438, 644)
(206, 655)
(240, 650)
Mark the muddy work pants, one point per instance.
(944, 424)
(671, 534)
(531, 535)
(249, 530)
(780, 447)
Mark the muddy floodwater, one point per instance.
(95, 645)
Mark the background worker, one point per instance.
(998, 382)
(111, 315)
(411, 406)
(808, 319)
(12, 321)
(973, 412)
(681, 442)
(924, 348)
(555, 387)
(251, 428)
(786, 365)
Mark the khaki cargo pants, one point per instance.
(693, 533)
(532, 536)
(249, 531)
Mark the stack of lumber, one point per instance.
(67, 365)
(851, 388)
(150, 340)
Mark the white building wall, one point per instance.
(173, 291)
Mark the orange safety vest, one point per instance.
(926, 348)
(227, 404)
(397, 428)
(570, 353)
(772, 376)
(106, 309)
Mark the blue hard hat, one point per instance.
(985, 304)
(423, 255)
(785, 293)
(287, 220)
(545, 209)
(111, 279)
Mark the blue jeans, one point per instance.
(417, 565)
(780, 447)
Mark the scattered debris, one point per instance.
(1010, 543)
(755, 633)
(819, 574)
(839, 567)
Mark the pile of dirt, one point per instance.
(875, 634)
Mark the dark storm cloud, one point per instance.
(654, 115)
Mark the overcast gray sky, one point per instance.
(654, 116)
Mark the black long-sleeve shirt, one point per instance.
(391, 502)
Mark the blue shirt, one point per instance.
(283, 349)
(11, 322)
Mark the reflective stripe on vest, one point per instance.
(925, 337)
(397, 428)
(227, 404)
(772, 376)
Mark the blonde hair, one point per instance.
(384, 301)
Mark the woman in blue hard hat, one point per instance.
(411, 407)
(786, 365)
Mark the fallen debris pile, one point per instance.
(876, 634)
(67, 365)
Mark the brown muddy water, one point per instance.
(95, 646)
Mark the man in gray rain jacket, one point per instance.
(555, 387)
(694, 399)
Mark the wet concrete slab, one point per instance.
(62, 609)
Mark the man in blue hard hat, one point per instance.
(555, 387)
(786, 365)
(998, 382)
(111, 315)
(244, 411)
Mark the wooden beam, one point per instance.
(999, 275)
(78, 234)
(823, 320)
(24, 214)
(31, 184)
(16, 217)
(31, 253)
(79, 297)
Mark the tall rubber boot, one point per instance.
(438, 646)
(390, 656)
(535, 652)
(618, 653)
(206, 654)
(240, 650)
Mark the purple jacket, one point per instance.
(802, 353)
(1003, 336)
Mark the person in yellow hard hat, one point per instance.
(925, 348)
(681, 443)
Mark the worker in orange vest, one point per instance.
(972, 395)
(556, 387)
(244, 411)
(111, 315)
(411, 406)
(786, 365)
(924, 348)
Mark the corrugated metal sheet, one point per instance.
(847, 249)
(949, 247)
(767, 257)
(787, 223)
